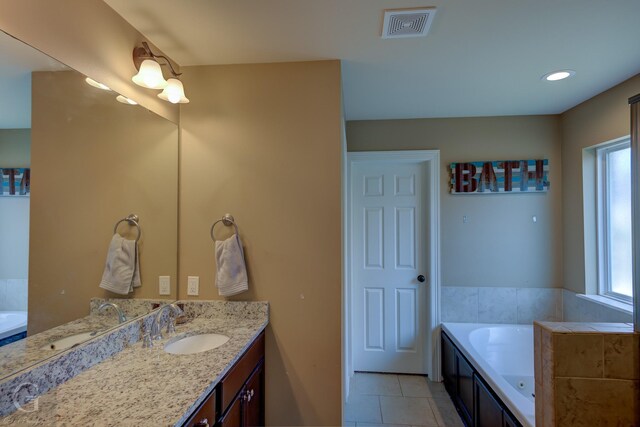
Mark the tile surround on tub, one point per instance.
(522, 305)
(497, 305)
(13, 294)
(500, 305)
(459, 304)
(581, 310)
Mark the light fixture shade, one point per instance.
(96, 84)
(174, 92)
(125, 100)
(150, 75)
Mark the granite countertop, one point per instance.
(23, 353)
(26, 352)
(149, 387)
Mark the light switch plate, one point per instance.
(164, 283)
(193, 285)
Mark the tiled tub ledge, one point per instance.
(147, 386)
(586, 374)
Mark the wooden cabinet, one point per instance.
(205, 415)
(247, 408)
(449, 365)
(476, 403)
(238, 400)
(254, 402)
(488, 411)
(508, 420)
(465, 389)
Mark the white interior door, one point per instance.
(389, 277)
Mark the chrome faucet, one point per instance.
(121, 317)
(156, 326)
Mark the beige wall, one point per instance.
(88, 36)
(263, 142)
(500, 245)
(600, 119)
(15, 146)
(94, 161)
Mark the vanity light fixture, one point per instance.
(96, 84)
(558, 75)
(150, 75)
(174, 92)
(125, 100)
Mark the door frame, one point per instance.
(432, 341)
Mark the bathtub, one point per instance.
(503, 356)
(12, 322)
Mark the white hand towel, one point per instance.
(122, 269)
(231, 273)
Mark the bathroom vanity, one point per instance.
(238, 400)
(150, 386)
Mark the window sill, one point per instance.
(608, 302)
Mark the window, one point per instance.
(614, 237)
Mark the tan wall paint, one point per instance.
(94, 161)
(88, 36)
(263, 142)
(500, 245)
(600, 119)
(15, 148)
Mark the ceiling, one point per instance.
(17, 61)
(481, 58)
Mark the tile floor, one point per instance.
(388, 400)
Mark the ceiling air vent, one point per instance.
(402, 23)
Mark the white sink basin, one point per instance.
(196, 344)
(68, 342)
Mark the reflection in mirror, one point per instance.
(76, 159)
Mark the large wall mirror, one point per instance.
(76, 159)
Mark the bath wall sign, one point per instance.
(15, 181)
(502, 176)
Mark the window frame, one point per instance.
(602, 215)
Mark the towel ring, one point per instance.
(133, 220)
(227, 220)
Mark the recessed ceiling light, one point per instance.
(96, 84)
(125, 100)
(558, 75)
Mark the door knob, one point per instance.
(421, 278)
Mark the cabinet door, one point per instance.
(237, 376)
(205, 416)
(233, 417)
(509, 421)
(465, 389)
(449, 365)
(488, 410)
(254, 400)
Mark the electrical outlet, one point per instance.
(164, 283)
(193, 285)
